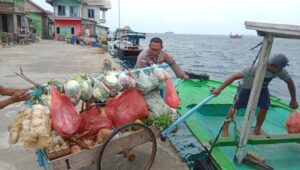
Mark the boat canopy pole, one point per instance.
(254, 95)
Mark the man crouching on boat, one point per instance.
(155, 55)
(275, 68)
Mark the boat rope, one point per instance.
(236, 98)
(259, 44)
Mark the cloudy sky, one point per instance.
(199, 16)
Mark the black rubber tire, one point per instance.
(130, 125)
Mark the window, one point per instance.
(57, 30)
(74, 11)
(61, 10)
(90, 13)
(102, 15)
(72, 30)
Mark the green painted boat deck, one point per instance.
(206, 122)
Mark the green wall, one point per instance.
(6, 0)
(36, 22)
(18, 2)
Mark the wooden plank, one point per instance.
(88, 157)
(260, 140)
(225, 141)
(277, 30)
(272, 139)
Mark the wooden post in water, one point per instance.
(254, 95)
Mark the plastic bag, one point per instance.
(156, 104)
(171, 95)
(64, 116)
(146, 83)
(16, 128)
(72, 90)
(36, 127)
(92, 122)
(126, 108)
(100, 91)
(126, 81)
(161, 74)
(293, 122)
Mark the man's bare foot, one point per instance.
(225, 133)
(257, 132)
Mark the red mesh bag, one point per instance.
(293, 122)
(126, 108)
(92, 122)
(64, 117)
(171, 95)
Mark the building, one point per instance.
(94, 15)
(74, 17)
(12, 16)
(39, 20)
(24, 16)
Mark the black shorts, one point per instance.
(263, 101)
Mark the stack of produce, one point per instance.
(111, 101)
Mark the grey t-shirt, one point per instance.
(247, 83)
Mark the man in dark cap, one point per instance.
(275, 68)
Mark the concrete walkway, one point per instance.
(40, 62)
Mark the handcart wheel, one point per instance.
(128, 154)
(138, 148)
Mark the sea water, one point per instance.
(219, 56)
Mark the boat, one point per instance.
(274, 149)
(235, 36)
(127, 45)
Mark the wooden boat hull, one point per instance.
(128, 55)
(206, 122)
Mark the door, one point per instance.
(66, 32)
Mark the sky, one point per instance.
(215, 17)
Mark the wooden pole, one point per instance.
(254, 95)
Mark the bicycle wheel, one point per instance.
(126, 148)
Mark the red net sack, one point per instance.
(64, 117)
(92, 122)
(293, 122)
(126, 108)
(171, 95)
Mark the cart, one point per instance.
(115, 145)
(120, 143)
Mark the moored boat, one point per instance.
(206, 122)
(127, 44)
(235, 36)
(275, 148)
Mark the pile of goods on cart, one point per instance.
(66, 117)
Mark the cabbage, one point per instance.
(146, 83)
(72, 90)
(100, 92)
(113, 83)
(85, 87)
